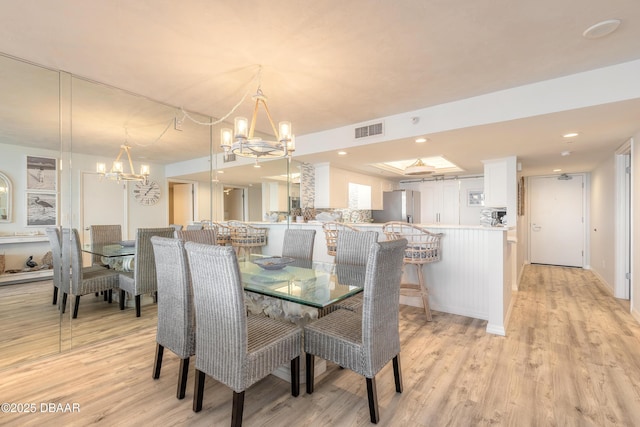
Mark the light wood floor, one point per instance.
(571, 358)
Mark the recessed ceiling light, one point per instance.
(220, 171)
(421, 140)
(565, 153)
(570, 135)
(342, 153)
(601, 29)
(557, 170)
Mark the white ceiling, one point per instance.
(332, 63)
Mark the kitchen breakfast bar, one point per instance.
(473, 278)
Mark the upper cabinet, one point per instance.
(500, 185)
(332, 188)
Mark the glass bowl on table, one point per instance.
(273, 263)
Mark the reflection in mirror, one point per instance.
(6, 195)
(29, 126)
(104, 119)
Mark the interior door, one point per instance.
(557, 220)
(182, 204)
(103, 202)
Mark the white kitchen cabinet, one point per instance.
(275, 197)
(500, 185)
(440, 202)
(332, 187)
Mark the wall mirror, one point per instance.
(29, 126)
(79, 122)
(6, 195)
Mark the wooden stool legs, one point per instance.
(418, 289)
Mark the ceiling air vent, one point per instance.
(229, 157)
(369, 130)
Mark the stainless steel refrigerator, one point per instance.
(399, 205)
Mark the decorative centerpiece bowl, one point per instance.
(273, 263)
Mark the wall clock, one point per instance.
(147, 194)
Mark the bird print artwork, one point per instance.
(41, 209)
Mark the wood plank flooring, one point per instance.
(571, 357)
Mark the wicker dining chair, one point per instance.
(298, 244)
(143, 279)
(177, 227)
(233, 348)
(353, 250)
(364, 342)
(195, 226)
(85, 280)
(176, 316)
(53, 233)
(207, 236)
(423, 247)
(331, 230)
(246, 238)
(104, 234)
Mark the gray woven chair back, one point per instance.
(197, 226)
(206, 236)
(353, 246)
(83, 281)
(176, 316)
(144, 270)
(380, 310)
(221, 319)
(53, 233)
(176, 227)
(104, 234)
(298, 244)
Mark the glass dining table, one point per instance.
(299, 291)
(118, 255)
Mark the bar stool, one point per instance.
(223, 236)
(423, 247)
(331, 230)
(246, 237)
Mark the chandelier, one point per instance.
(242, 141)
(419, 168)
(117, 173)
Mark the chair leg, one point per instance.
(198, 391)
(75, 307)
(64, 302)
(372, 395)
(295, 377)
(310, 366)
(424, 292)
(237, 409)
(110, 296)
(122, 297)
(157, 364)
(183, 373)
(397, 373)
(137, 305)
(55, 295)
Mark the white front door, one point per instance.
(557, 220)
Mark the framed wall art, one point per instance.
(475, 198)
(42, 209)
(42, 173)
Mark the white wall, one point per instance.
(635, 227)
(470, 215)
(601, 229)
